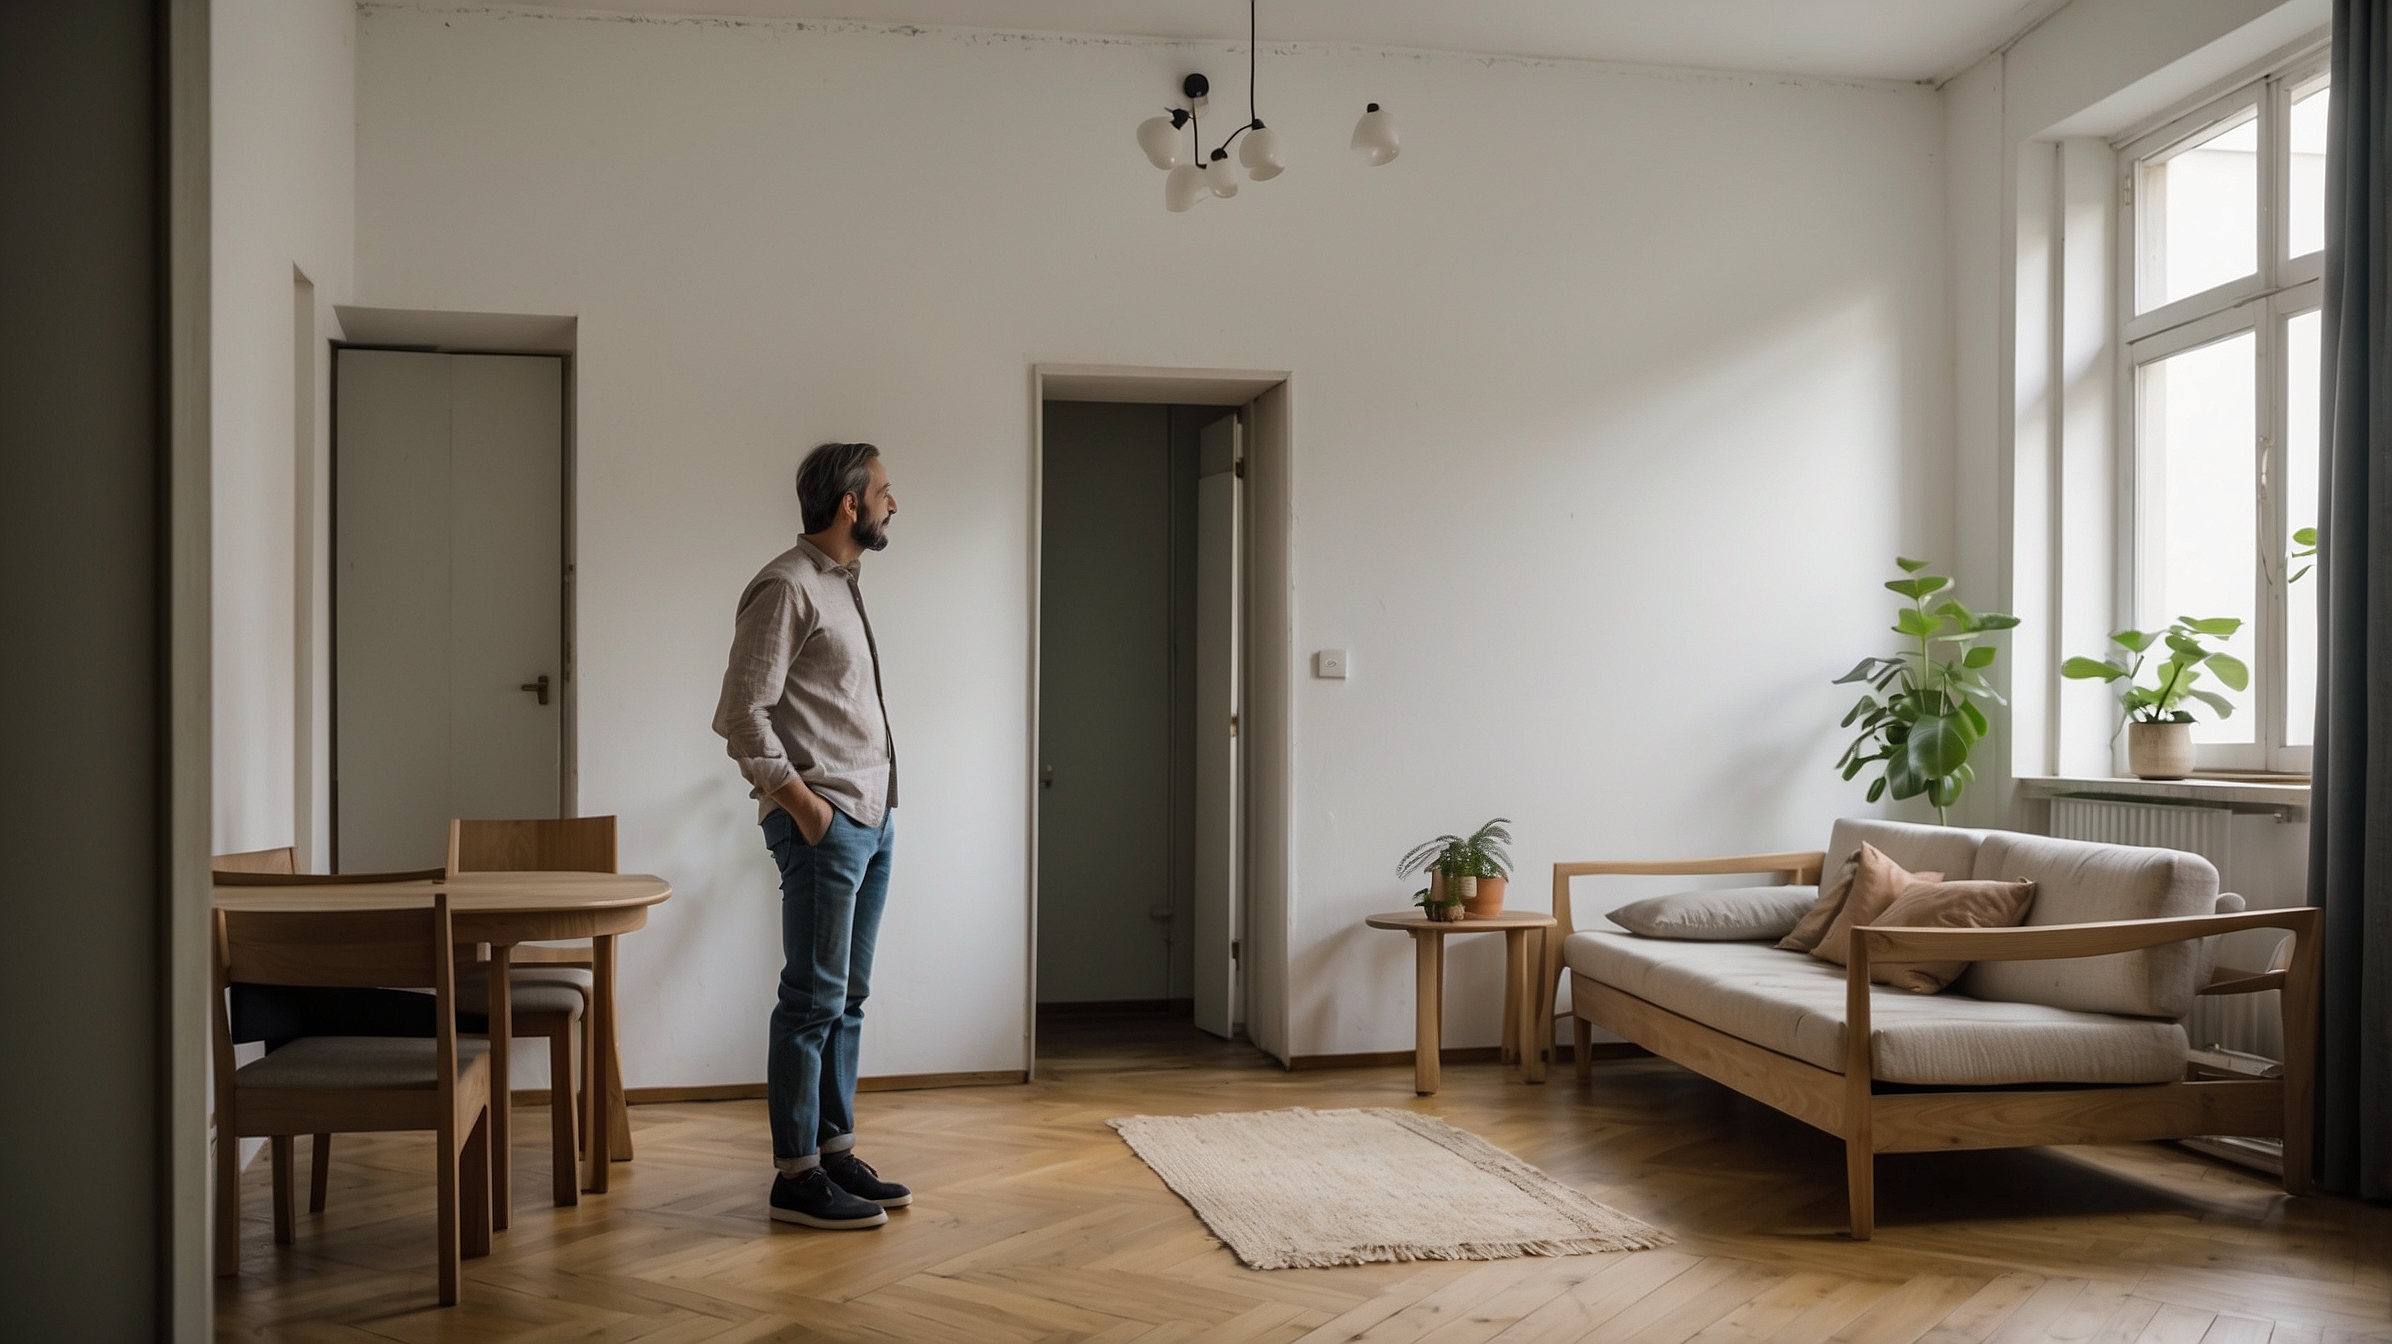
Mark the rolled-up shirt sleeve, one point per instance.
(774, 619)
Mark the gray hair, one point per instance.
(830, 474)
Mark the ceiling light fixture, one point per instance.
(1200, 173)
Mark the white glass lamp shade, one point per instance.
(1222, 176)
(1160, 139)
(1374, 135)
(1184, 187)
(1259, 151)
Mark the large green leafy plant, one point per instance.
(2163, 700)
(1919, 718)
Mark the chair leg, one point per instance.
(585, 1112)
(563, 1155)
(1860, 1185)
(1582, 1034)
(228, 1197)
(445, 1198)
(475, 1184)
(319, 1174)
(286, 1156)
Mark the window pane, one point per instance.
(2201, 514)
(2300, 510)
(2197, 211)
(2305, 224)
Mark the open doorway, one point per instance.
(1138, 689)
(1157, 813)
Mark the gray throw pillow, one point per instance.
(1728, 915)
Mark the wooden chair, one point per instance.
(269, 866)
(555, 845)
(353, 1084)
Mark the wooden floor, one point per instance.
(1034, 1222)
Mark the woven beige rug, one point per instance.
(1302, 1188)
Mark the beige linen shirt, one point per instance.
(801, 698)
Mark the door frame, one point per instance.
(1266, 731)
(423, 332)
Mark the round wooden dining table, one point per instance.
(500, 909)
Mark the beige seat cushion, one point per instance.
(324, 1063)
(1794, 1004)
(2079, 882)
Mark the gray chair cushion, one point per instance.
(1794, 1004)
(523, 996)
(1728, 914)
(326, 1063)
(2080, 882)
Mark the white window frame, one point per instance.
(2278, 289)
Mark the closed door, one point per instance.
(448, 611)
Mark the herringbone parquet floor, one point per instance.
(1035, 1223)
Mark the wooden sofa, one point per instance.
(2008, 1057)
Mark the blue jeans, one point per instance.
(832, 893)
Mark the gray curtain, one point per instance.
(2350, 838)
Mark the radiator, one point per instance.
(2247, 1022)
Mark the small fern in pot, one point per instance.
(1467, 873)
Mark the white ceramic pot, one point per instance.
(2159, 750)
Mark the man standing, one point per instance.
(803, 715)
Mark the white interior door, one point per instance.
(447, 598)
(1219, 584)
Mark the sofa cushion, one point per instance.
(1876, 882)
(1947, 905)
(1794, 1005)
(1812, 926)
(1729, 914)
(1949, 850)
(2080, 882)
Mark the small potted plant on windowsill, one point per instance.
(1467, 873)
(2159, 732)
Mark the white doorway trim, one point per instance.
(1267, 729)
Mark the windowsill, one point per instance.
(2236, 788)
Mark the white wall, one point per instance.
(1614, 398)
(283, 97)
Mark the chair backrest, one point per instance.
(355, 949)
(534, 845)
(283, 860)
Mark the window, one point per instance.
(2225, 232)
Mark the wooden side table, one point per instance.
(1524, 955)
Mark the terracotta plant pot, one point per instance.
(1488, 903)
(2159, 750)
(1454, 895)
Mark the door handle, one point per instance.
(538, 688)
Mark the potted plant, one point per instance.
(1467, 873)
(1919, 715)
(2159, 731)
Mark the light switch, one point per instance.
(1329, 664)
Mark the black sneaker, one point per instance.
(810, 1199)
(856, 1176)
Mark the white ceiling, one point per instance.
(1875, 39)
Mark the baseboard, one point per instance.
(887, 1082)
